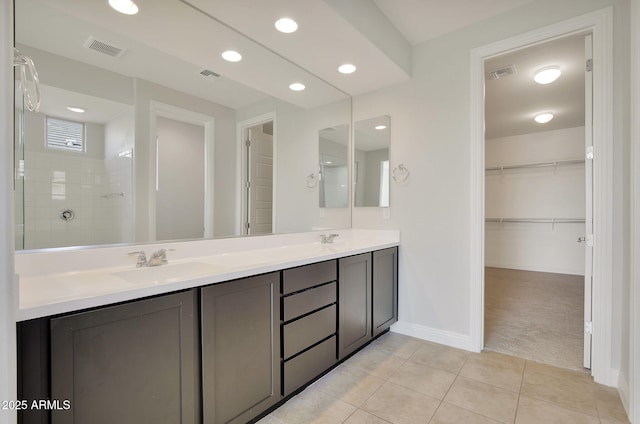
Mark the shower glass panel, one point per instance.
(18, 160)
(334, 171)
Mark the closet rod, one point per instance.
(539, 220)
(535, 165)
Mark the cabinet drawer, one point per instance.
(308, 276)
(305, 367)
(309, 300)
(301, 334)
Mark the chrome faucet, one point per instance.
(327, 238)
(142, 259)
(157, 258)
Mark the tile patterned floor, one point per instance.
(399, 379)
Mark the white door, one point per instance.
(180, 180)
(260, 182)
(587, 240)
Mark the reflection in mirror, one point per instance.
(371, 162)
(123, 181)
(334, 172)
(74, 161)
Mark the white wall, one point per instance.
(535, 193)
(430, 136)
(8, 293)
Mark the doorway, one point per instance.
(598, 23)
(257, 168)
(179, 180)
(537, 195)
(182, 167)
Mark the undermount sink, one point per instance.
(169, 273)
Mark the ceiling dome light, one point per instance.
(231, 56)
(124, 6)
(380, 127)
(543, 118)
(286, 25)
(296, 86)
(75, 109)
(547, 75)
(347, 68)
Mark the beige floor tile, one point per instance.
(568, 389)
(484, 399)
(349, 384)
(398, 344)
(269, 420)
(421, 378)
(439, 356)
(377, 362)
(610, 407)
(451, 414)
(496, 369)
(400, 405)
(312, 406)
(362, 417)
(533, 411)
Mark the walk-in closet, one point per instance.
(537, 203)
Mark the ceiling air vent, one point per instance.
(502, 72)
(209, 74)
(103, 47)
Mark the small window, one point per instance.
(65, 135)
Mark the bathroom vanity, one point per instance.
(220, 350)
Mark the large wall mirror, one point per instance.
(371, 162)
(174, 142)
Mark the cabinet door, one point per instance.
(131, 363)
(240, 348)
(385, 289)
(354, 303)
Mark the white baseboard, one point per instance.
(457, 340)
(623, 390)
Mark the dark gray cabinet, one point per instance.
(354, 328)
(130, 363)
(240, 348)
(385, 289)
(309, 315)
(224, 353)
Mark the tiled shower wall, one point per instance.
(90, 186)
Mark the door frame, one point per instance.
(633, 397)
(158, 109)
(600, 24)
(241, 204)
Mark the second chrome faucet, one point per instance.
(327, 238)
(157, 258)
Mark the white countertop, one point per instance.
(62, 281)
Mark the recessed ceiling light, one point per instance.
(380, 127)
(547, 75)
(231, 56)
(124, 6)
(296, 86)
(286, 25)
(347, 68)
(543, 118)
(75, 109)
(328, 162)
